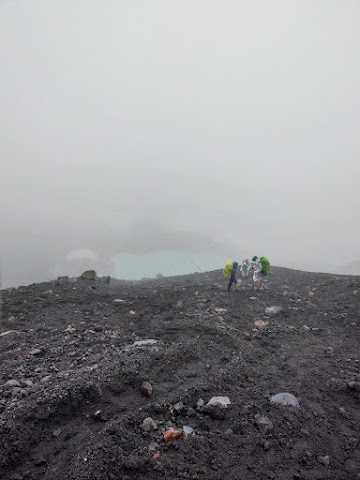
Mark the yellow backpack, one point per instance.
(228, 269)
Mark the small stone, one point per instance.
(89, 275)
(179, 408)
(187, 430)
(220, 310)
(12, 383)
(99, 416)
(305, 327)
(153, 447)
(267, 445)
(355, 292)
(11, 319)
(171, 435)
(353, 385)
(325, 460)
(311, 294)
(264, 424)
(149, 425)
(40, 461)
(146, 389)
(252, 298)
(272, 311)
(98, 328)
(35, 351)
(118, 301)
(9, 332)
(222, 402)
(342, 411)
(200, 403)
(144, 343)
(229, 432)
(45, 379)
(27, 383)
(56, 433)
(285, 399)
(261, 324)
(47, 292)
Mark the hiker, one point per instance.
(230, 273)
(261, 268)
(245, 268)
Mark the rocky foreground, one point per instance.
(119, 380)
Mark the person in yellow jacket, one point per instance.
(230, 271)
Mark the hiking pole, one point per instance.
(197, 266)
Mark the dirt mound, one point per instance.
(93, 388)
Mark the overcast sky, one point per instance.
(225, 127)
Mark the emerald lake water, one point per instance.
(168, 263)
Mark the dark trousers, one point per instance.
(232, 279)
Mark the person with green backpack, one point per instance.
(230, 273)
(261, 267)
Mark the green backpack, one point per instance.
(228, 270)
(264, 262)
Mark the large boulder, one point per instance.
(89, 275)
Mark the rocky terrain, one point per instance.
(116, 380)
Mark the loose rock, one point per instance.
(285, 399)
(264, 424)
(325, 460)
(222, 402)
(89, 275)
(146, 389)
(118, 301)
(153, 447)
(149, 425)
(171, 435)
(272, 311)
(35, 352)
(12, 383)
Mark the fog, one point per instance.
(216, 127)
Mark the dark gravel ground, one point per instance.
(72, 399)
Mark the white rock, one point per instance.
(285, 399)
(141, 343)
(274, 310)
(187, 430)
(12, 383)
(223, 402)
(8, 333)
(144, 343)
(118, 301)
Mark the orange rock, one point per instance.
(171, 435)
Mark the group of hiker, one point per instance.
(259, 266)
